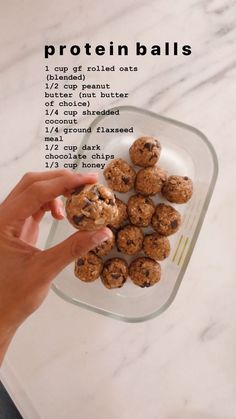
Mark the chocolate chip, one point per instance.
(145, 285)
(149, 146)
(101, 197)
(111, 202)
(80, 262)
(77, 218)
(126, 180)
(87, 203)
(128, 242)
(185, 177)
(115, 276)
(174, 224)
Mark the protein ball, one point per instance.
(130, 240)
(122, 214)
(178, 189)
(156, 246)
(166, 220)
(140, 210)
(145, 151)
(91, 208)
(145, 272)
(105, 247)
(89, 267)
(115, 273)
(150, 180)
(119, 175)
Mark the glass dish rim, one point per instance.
(171, 298)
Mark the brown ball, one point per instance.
(91, 207)
(122, 214)
(150, 180)
(156, 246)
(145, 151)
(145, 272)
(178, 189)
(140, 210)
(166, 220)
(115, 273)
(119, 175)
(89, 267)
(130, 240)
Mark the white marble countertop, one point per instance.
(66, 362)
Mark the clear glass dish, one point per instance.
(185, 151)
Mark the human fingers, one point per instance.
(53, 260)
(39, 193)
(56, 207)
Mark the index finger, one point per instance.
(36, 195)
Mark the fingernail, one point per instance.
(101, 236)
(61, 212)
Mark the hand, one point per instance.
(26, 272)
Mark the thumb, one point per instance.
(53, 260)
